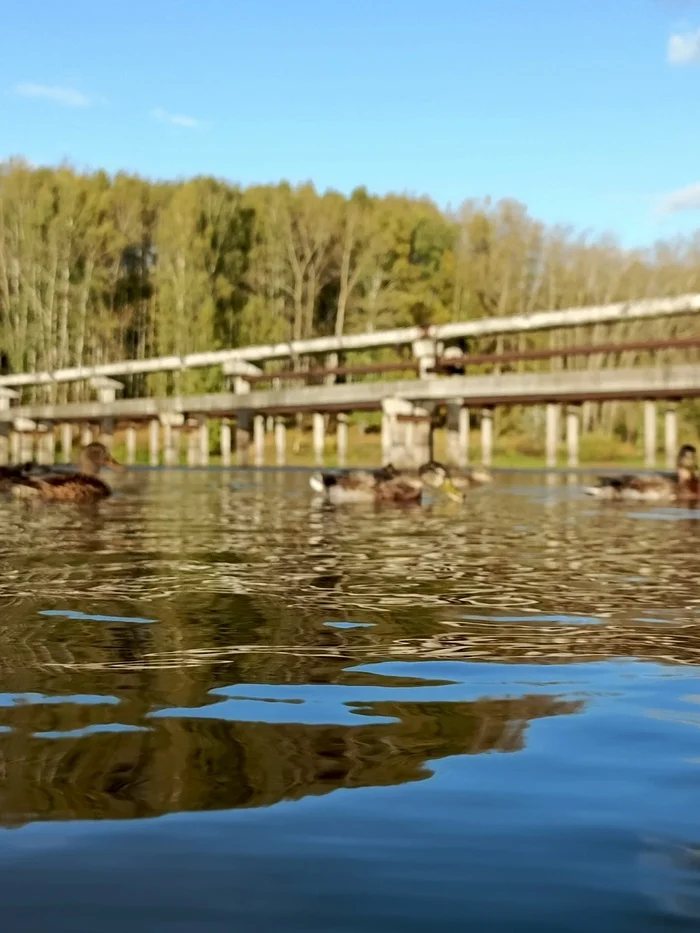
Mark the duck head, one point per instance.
(437, 476)
(687, 463)
(95, 457)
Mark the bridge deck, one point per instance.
(674, 381)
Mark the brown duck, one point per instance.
(83, 486)
(683, 485)
(384, 485)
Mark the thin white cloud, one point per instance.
(176, 119)
(65, 96)
(683, 199)
(684, 48)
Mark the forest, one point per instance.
(96, 267)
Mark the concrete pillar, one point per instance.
(204, 442)
(66, 443)
(319, 435)
(26, 445)
(385, 438)
(154, 442)
(47, 446)
(463, 461)
(649, 434)
(225, 442)
(487, 436)
(259, 439)
(671, 435)
(40, 452)
(15, 446)
(457, 434)
(281, 441)
(407, 439)
(4, 444)
(86, 435)
(168, 446)
(341, 438)
(192, 447)
(244, 423)
(130, 439)
(107, 432)
(573, 416)
(551, 427)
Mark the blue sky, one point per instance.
(587, 112)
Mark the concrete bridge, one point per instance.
(407, 406)
(442, 376)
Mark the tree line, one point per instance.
(96, 267)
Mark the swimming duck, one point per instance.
(478, 476)
(83, 486)
(9, 474)
(384, 485)
(681, 485)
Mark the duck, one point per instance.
(386, 484)
(82, 486)
(9, 474)
(681, 485)
(477, 476)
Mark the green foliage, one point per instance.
(96, 268)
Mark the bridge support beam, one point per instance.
(259, 439)
(406, 433)
(457, 434)
(192, 446)
(203, 435)
(341, 439)
(4, 444)
(244, 424)
(66, 433)
(551, 427)
(671, 435)
(26, 445)
(319, 437)
(86, 435)
(280, 440)
(130, 442)
(225, 442)
(168, 445)
(154, 442)
(649, 434)
(487, 436)
(107, 432)
(46, 446)
(573, 424)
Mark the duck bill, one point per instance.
(451, 491)
(115, 465)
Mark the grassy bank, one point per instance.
(364, 449)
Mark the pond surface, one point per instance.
(225, 707)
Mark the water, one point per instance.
(226, 708)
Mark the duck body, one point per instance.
(478, 476)
(9, 475)
(82, 487)
(684, 484)
(384, 485)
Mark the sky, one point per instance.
(586, 112)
